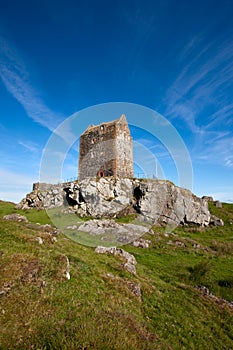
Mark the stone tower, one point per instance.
(106, 150)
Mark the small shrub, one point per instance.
(199, 271)
(222, 248)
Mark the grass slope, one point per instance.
(96, 308)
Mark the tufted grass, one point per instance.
(96, 309)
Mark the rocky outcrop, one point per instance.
(153, 201)
(141, 243)
(220, 301)
(130, 263)
(108, 229)
(215, 221)
(218, 204)
(208, 198)
(64, 266)
(15, 217)
(43, 196)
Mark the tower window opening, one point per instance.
(100, 173)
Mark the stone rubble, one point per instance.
(134, 288)
(141, 243)
(205, 291)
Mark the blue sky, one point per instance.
(59, 57)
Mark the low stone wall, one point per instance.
(43, 196)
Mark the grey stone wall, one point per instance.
(106, 150)
(124, 150)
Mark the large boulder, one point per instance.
(108, 229)
(163, 203)
(106, 196)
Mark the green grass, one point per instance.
(94, 310)
(33, 215)
(126, 219)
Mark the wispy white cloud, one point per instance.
(201, 97)
(153, 146)
(229, 161)
(200, 79)
(191, 46)
(32, 147)
(225, 113)
(16, 79)
(14, 186)
(218, 151)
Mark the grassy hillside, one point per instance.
(97, 308)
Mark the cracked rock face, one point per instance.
(107, 196)
(154, 201)
(165, 203)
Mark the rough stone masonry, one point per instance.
(106, 150)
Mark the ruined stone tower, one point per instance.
(106, 150)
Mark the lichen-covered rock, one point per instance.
(106, 196)
(49, 229)
(154, 201)
(43, 196)
(220, 301)
(130, 263)
(15, 217)
(218, 204)
(165, 203)
(39, 240)
(65, 266)
(134, 288)
(208, 198)
(215, 221)
(108, 228)
(141, 243)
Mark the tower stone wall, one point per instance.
(106, 150)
